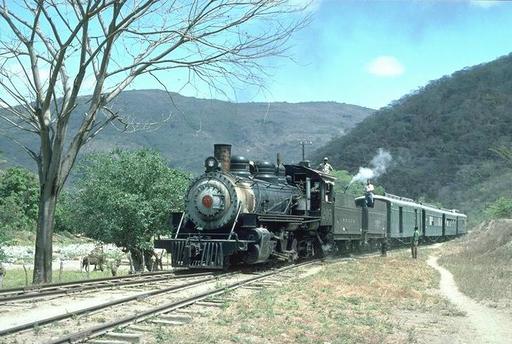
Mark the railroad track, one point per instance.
(166, 301)
(66, 288)
(139, 307)
(36, 324)
(167, 308)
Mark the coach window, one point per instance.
(400, 220)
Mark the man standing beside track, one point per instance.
(415, 242)
(384, 245)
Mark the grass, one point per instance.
(16, 277)
(350, 302)
(481, 262)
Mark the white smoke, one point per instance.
(378, 166)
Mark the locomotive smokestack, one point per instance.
(222, 153)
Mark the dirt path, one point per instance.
(490, 325)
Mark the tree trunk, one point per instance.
(148, 255)
(138, 265)
(45, 224)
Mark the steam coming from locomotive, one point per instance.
(378, 166)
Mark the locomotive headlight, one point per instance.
(211, 164)
(213, 202)
(207, 201)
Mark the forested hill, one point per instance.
(257, 130)
(440, 137)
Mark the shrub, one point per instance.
(19, 195)
(501, 208)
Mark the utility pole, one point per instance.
(304, 143)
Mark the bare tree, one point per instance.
(51, 51)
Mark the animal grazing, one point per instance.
(96, 257)
(244, 212)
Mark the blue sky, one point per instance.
(372, 52)
(360, 52)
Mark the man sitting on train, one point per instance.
(368, 193)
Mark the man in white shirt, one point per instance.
(368, 190)
(325, 167)
(369, 186)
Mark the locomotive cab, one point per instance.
(317, 187)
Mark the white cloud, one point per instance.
(484, 3)
(385, 66)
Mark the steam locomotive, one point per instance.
(245, 212)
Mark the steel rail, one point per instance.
(78, 288)
(59, 317)
(92, 280)
(98, 330)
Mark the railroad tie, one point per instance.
(209, 304)
(167, 322)
(264, 284)
(176, 317)
(138, 328)
(189, 311)
(127, 337)
(252, 287)
(216, 300)
(107, 341)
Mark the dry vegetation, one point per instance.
(350, 302)
(482, 262)
(16, 278)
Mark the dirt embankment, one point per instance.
(481, 263)
(476, 276)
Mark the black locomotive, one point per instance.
(241, 212)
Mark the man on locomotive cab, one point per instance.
(325, 167)
(415, 242)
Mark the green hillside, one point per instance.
(257, 130)
(440, 137)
